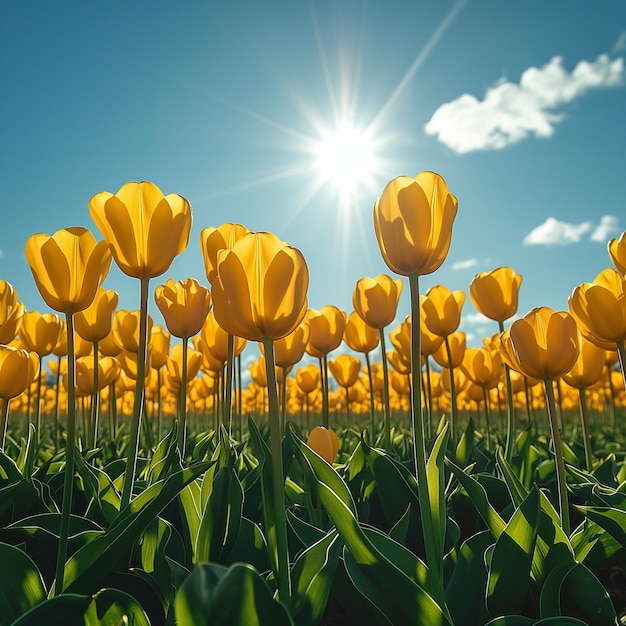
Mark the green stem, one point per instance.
(278, 481)
(582, 403)
(486, 401)
(370, 379)
(433, 559)
(621, 353)
(57, 393)
(429, 397)
(324, 376)
(453, 407)
(558, 455)
(510, 421)
(38, 406)
(70, 451)
(133, 441)
(387, 408)
(159, 407)
(228, 389)
(4, 420)
(95, 398)
(182, 410)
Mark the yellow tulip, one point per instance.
(184, 306)
(174, 364)
(159, 346)
(413, 222)
(617, 252)
(96, 321)
(146, 229)
(40, 332)
(589, 366)
(345, 369)
(16, 371)
(324, 442)
(482, 366)
(457, 343)
(544, 344)
(259, 291)
(600, 308)
(358, 335)
(326, 328)
(308, 378)
(126, 329)
(495, 293)
(11, 313)
(442, 309)
(290, 349)
(68, 267)
(376, 300)
(212, 240)
(108, 371)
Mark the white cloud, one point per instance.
(620, 44)
(1, 253)
(475, 318)
(556, 233)
(609, 225)
(463, 265)
(511, 112)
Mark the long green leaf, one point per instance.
(87, 568)
(234, 596)
(436, 485)
(612, 520)
(512, 557)
(112, 607)
(21, 584)
(62, 610)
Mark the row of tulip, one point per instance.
(258, 293)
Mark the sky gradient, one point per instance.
(519, 106)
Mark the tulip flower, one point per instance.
(413, 221)
(184, 306)
(324, 443)
(600, 312)
(146, 230)
(259, 293)
(586, 372)
(39, 334)
(495, 295)
(345, 370)
(86, 378)
(11, 312)
(617, 252)
(15, 377)
(376, 301)
(326, 328)
(68, 268)
(545, 344)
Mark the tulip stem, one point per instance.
(70, 450)
(558, 455)
(453, 403)
(38, 411)
(621, 353)
(95, 398)
(371, 394)
(387, 409)
(228, 387)
(278, 481)
(182, 409)
(135, 424)
(510, 422)
(324, 376)
(433, 559)
(4, 419)
(582, 403)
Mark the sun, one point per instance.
(345, 158)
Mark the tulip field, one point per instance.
(371, 473)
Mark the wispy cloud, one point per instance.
(554, 232)
(608, 226)
(620, 44)
(511, 112)
(463, 265)
(473, 319)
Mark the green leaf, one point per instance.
(436, 485)
(612, 520)
(467, 588)
(221, 520)
(465, 447)
(250, 546)
(68, 608)
(312, 577)
(100, 487)
(509, 570)
(21, 584)
(377, 576)
(478, 495)
(87, 568)
(517, 490)
(166, 458)
(571, 589)
(234, 596)
(112, 607)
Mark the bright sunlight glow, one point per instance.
(345, 158)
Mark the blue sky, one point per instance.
(519, 106)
